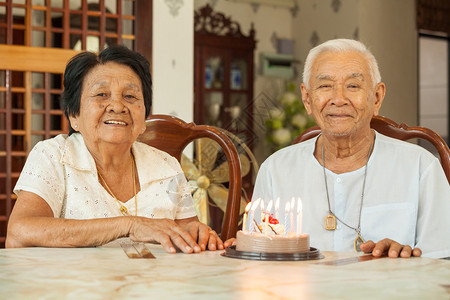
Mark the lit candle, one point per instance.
(277, 206)
(252, 215)
(291, 226)
(266, 221)
(299, 215)
(262, 211)
(244, 222)
(286, 214)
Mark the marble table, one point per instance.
(107, 273)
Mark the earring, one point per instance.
(76, 126)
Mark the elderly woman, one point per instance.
(360, 189)
(97, 184)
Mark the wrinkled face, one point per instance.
(112, 106)
(341, 96)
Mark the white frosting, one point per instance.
(258, 242)
(278, 228)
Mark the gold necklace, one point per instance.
(123, 209)
(330, 220)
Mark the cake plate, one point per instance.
(312, 254)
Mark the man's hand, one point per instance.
(392, 248)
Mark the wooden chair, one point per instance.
(172, 135)
(402, 132)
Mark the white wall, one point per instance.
(389, 29)
(173, 60)
(319, 21)
(433, 83)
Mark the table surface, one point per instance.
(107, 273)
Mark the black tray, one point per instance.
(312, 254)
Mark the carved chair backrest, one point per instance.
(172, 135)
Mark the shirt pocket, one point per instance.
(395, 221)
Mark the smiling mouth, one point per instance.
(338, 116)
(116, 123)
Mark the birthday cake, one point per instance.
(271, 237)
(259, 242)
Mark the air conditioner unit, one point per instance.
(277, 65)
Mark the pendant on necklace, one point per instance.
(330, 222)
(124, 210)
(357, 243)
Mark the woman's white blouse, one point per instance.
(62, 171)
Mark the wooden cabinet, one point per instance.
(223, 82)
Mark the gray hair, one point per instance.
(341, 45)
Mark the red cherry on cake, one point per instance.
(272, 220)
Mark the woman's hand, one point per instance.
(229, 242)
(164, 231)
(206, 236)
(203, 234)
(392, 248)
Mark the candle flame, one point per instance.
(292, 203)
(247, 207)
(262, 205)
(287, 207)
(277, 203)
(299, 205)
(269, 207)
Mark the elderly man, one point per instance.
(360, 189)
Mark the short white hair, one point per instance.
(341, 45)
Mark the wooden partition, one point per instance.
(30, 110)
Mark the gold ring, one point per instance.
(211, 231)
